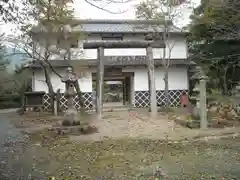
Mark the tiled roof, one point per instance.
(122, 26)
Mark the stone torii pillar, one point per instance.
(100, 82)
(203, 102)
(151, 82)
(100, 45)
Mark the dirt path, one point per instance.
(138, 125)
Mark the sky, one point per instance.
(84, 10)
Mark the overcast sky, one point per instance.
(86, 11)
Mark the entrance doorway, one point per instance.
(117, 87)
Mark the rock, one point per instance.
(213, 109)
(159, 173)
(20, 111)
(231, 115)
(193, 124)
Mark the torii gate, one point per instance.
(148, 44)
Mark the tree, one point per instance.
(165, 12)
(3, 71)
(102, 4)
(12, 85)
(51, 16)
(14, 11)
(214, 41)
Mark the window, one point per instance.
(112, 38)
(109, 37)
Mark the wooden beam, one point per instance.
(151, 81)
(110, 61)
(100, 82)
(122, 44)
(110, 78)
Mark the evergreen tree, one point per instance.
(214, 42)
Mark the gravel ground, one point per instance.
(14, 161)
(138, 125)
(139, 150)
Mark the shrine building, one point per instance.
(127, 65)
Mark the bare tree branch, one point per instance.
(103, 8)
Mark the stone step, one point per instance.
(116, 108)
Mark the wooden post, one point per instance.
(55, 107)
(127, 89)
(152, 90)
(203, 104)
(132, 91)
(124, 91)
(58, 97)
(100, 82)
(33, 59)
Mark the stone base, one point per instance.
(192, 124)
(74, 130)
(72, 115)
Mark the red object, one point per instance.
(132, 115)
(184, 100)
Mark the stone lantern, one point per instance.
(66, 29)
(70, 79)
(200, 96)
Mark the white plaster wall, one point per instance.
(178, 79)
(177, 44)
(85, 82)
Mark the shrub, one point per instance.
(76, 123)
(88, 129)
(9, 104)
(66, 123)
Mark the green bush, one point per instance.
(9, 104)
(76, 123)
